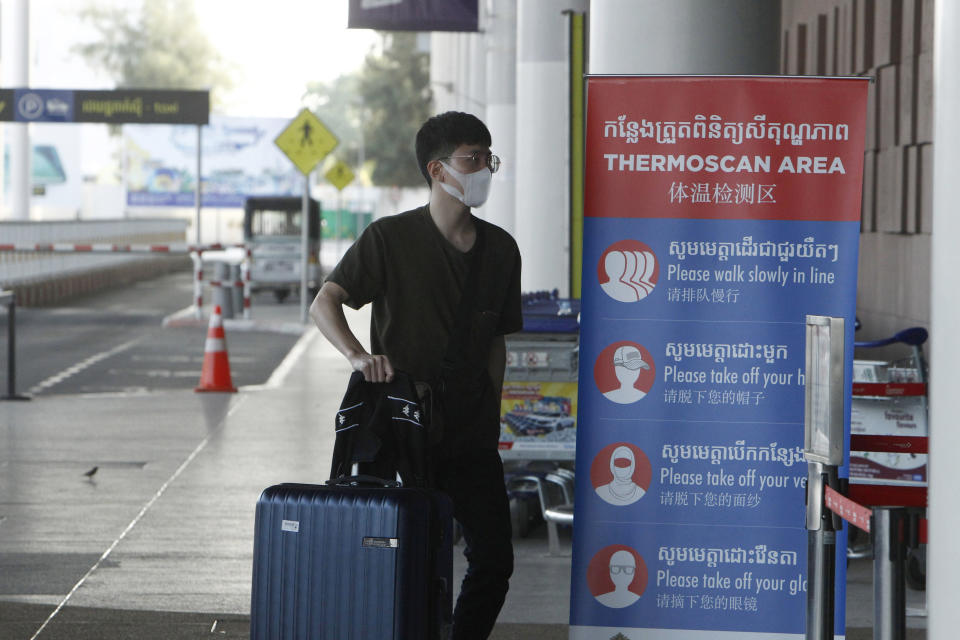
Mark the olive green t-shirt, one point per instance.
(415, 279)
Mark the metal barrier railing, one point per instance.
(8, 299)
(18, 267)
(233, 254)
(888, 529)
(894, 520)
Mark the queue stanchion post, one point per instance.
(222, 286)
(821, 552)
(245, 276)
(10, 299)
(236, 290)
(889, 595)
(823, 450)
(197, 258)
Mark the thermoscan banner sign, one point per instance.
(720, 211)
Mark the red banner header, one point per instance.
(725, 148)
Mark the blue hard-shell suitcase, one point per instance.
(351, 563)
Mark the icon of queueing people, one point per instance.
(628, 363)
(622, 490)
(630, 274)
(622, 567)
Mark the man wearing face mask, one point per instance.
(445, 289)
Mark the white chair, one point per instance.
(556, 505)
(569, 482)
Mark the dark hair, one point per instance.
(442, 134)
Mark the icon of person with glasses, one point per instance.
(617, 576)
(622, 566)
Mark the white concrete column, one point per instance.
(443, 59)
(684, 36)
(16, 73)
(501, 113)
(943, 565)
(543, 148)
(476, 78)
(461, 81)
(457, 72)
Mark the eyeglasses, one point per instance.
(622, 568)
(478, 159)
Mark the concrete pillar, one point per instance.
(16, 73)
(458, 73)
(442, 64)
(943, 566)
(684, 36)
(461, 78)
(501, 89)
(476, 73)
(542, 156)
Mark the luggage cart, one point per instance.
(538, 407)
(889, 410)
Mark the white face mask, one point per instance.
(476, 185)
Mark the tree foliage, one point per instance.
(337, 104)
(161, 46)
(388, 98)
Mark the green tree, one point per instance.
(337, 105)
(389, 98)
(160, 47)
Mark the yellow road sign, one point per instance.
(306, 141)
(340, 175)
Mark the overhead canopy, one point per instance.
(414, 15)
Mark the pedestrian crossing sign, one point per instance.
(340, 175)
(306, 141)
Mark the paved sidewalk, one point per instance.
(157, 544)
(166, 522)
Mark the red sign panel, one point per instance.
(702, 154)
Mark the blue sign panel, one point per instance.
(117, 106)
(707, 241)
(43, 105)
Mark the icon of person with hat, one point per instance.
(627, 363)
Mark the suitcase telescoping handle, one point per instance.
(362, 481)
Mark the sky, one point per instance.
(277, 51)
(275, 48)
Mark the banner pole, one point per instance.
(199, 178)
(304, 235)
(577, 55)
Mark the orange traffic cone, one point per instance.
(215, 375)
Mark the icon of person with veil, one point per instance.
(628, 271)
(623, 487)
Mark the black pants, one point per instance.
(474, 482)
